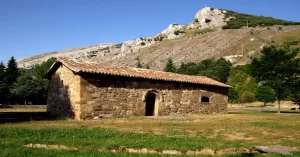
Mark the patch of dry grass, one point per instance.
(287, 36)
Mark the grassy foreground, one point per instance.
(235, 130)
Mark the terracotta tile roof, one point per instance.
(88, 67)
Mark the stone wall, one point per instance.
(86, 96)
(64, 94)
(120, 96)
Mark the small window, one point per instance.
(204, 99)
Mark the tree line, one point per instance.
(23, 86)
(275, 75)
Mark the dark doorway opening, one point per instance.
(150, 104)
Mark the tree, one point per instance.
(11, 75)
(39, 70)
(170, 67)
(265, 94)
(12, 71)
(220, 70)
(31, 84)
(232, 95)
(3, 84)
(242, 82)
(278, 68)
(295, 94)
(215, 69)
(189, 68)
(29, 88)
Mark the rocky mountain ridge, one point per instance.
(120, 50)
(201, 39)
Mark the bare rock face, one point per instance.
(209, 18)
(170, 31)
(76, 53)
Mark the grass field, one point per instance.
(238, 129)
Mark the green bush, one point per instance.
(265, 94)
(243, 83)
(233, 95)
(29, 103)
(177, 32)
(248, 97)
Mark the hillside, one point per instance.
(213, 33)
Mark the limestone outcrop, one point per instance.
(209, 18)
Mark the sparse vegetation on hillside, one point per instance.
(202, 31)
(239, 20)
(159, 38)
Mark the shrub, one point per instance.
(177, 32)
(203, 31)
(233, 95)
(159, 38)
(242, 81)
(265, 94)
(143, 43)
(248, 97)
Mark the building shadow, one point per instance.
(5, 106)
(15, 117)
(58, 99)
(58, 105)
(289, 112)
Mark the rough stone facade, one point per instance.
(87, 95)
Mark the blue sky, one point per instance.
(30, 27)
